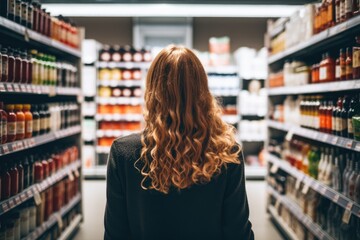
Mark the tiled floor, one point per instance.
(94, 205)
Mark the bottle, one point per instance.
(43, 120)
(29, 14)
(329, 227)
(323, 15)
(330, 13)
(104, 54)
(4, 65)
(18, 11)
(348, 9)
(356, 59)
(322, 116)
(328, 117)
(338, 119)
(127, 56)
(26, 166)
(346, 174)
(337, 69)
(36, 120)
(351, 113)
(11, 123)
(328, 168)
(25, 67)
(337, 11)
(18, 66)
(314, 158)
(20, 122)
(29, 76)
(322, 162)
(35, 67)
(342, 64)
(5, 181)
(344, 117)
(342, 10)
(20, 169)
(357, 182)
(47, 117)
(352, 178)
(3, 124)
(24, 13)
(348, 62)
(11, 65)
(356, 120)
(38, 171)
(28, 120)
(336, 174)
(14, 175)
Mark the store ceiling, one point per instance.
(272, 2)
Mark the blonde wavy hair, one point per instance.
(185, 141)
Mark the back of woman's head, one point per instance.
(185, 141)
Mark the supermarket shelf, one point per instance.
(298, 213)
(222, 69)
(31, 191)
(255, 172)
(284, 227)
(10, 28)
(38, 89)
(324, 190)
(102, 149)
(249, 115)
(225, 92)
(129, 65)
(119, 117)
(20, 145)
(315, 135)
(121, 83)
(316, 88)
(317, 41)
(54, 219)
(96, 172)
(231, 119)
(120, 100)
(114, 133)
(67, 233)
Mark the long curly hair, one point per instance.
(185, 141)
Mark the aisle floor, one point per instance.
(94, 205)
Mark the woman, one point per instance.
(183, 176)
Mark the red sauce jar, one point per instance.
(20, 169)
(11, 123)
(11, 66)
(24, 67)
(18, 66)
(46, 170)
(14, 175)
(38, 172)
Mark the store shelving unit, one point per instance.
(282, 224)
(17, 35)
(333, 37)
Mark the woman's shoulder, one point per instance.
(127, 147)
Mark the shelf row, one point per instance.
(288, 231)
(20, 145)
(119, 117)
(298, 213)
(56, 218)
(120, 100)
(114, 133)
(120, 83)
(128, 65)
(225, 92)
(38, 89)
(35, 189)
(319, 40)
(315, 135)
(324, 190)
(26, 34)
(316, 88)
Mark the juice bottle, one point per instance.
(28, 121)
(11, 123)
(20, 122)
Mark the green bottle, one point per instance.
(356, 120)
(314, 158)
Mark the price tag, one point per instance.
(77, 174)
(5, 207)
(29, 88)
(71, 176)
(23, 88)
(11, 203)
(357, 147)
(17, 200)
(347, 213)
(274, 168)
(14, 146)
(349, 144)
(5, 149)
(23, 197)
(52, 91)
(334, 140)
(20, 145)
(29, 193)
(336, 198)
(37, 198)
(298, 184)
(16, 88)
(59, 221)
(9, 88)
(2, 88)
(323, 137)
(305, 189)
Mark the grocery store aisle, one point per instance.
(94, 205)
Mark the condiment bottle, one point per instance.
(338, 119)
(328, 117)
(3, 124)
(115, 53)
(18, 66)
(348, 62)
(11, 123)
(14, 175)
(5, 181)
(27, 169)
(24, 221)
(342, 10)
(342, 64)
(20, 169)
(337, 11)
(29, 14)
(43, 120)
(28, 121)
(4, 65)
(348, 9)
(11, 66)
(29, 69)
(337, 69)
(36, 120)
(47, 117)
(104, 54)
(356, 59)
(38, 171)
(20, 122)
(330, 13)
(32, 217)
(24, 67)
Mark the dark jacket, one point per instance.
(214, 211)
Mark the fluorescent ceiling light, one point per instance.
(170, 10)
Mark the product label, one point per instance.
(337, 13)
(343, 124)
(349, 70)
(116, 57)
(3, 128)
(343, 70)
(29, 126)
(105, 57)
(20, 127)
(322, 74)
(333, 123)
(356, 57)
(11, 128)
(11, 7)
(36, 125)
(43, 123)
(348, 6)
(337, 72)
(342, 9)
(350, 126)
(316, 123)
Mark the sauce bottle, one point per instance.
(38, 172)
(342, 64)
(20, 122)
(43, 120)
(28, 121)
(14, 175)
(11, 65)
(342, 10)
(337, 69)
(4, 65)
(3, 124)
(348, 62)
(356, 59)
(29, 69)
(26, 166)
(17, 66)
(29, 14)
(104, 54)
(338, 119)
(330, 13)
(36, 120)
(348, 9)
(11, 123)
(24, 67)
(5, 181)
(47, 117)
(20, 169)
